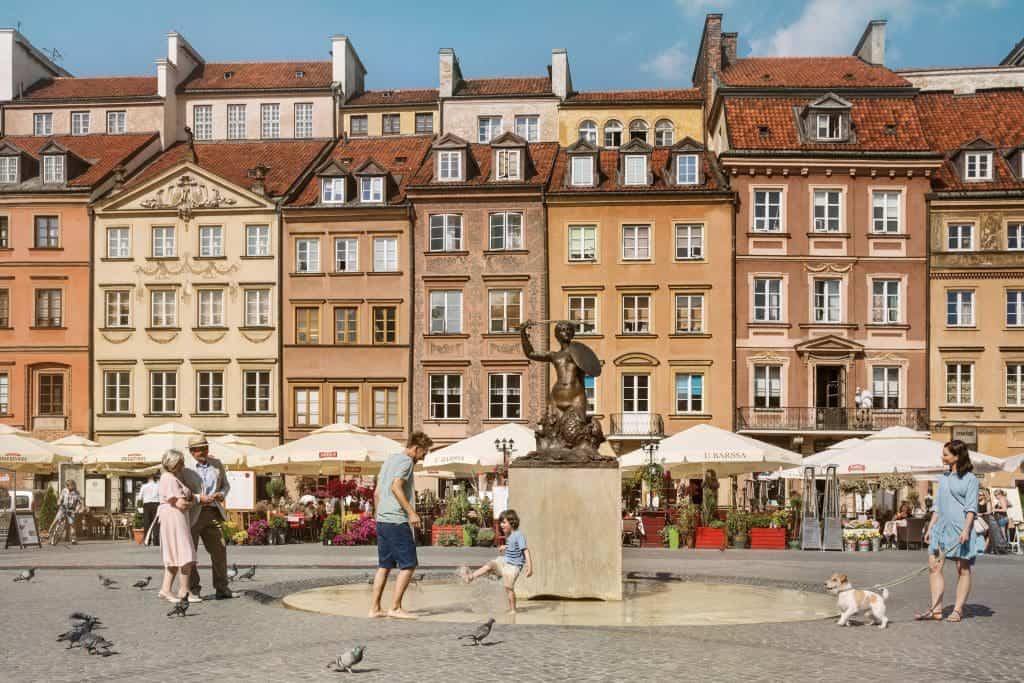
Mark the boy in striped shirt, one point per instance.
(515, 559)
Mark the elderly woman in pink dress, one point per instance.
(179, 554)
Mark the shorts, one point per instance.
(508, 572)
(396, 546)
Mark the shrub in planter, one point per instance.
(449, 540)
(485, 538)
(485, 512)
(363, 531)
(275, 488)
(240, 537)
(331, 528)
(469, 532)
(737, 523)
(47, 509)
(278, 529)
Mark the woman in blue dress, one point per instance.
(950, 532)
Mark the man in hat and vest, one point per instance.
(206, 477)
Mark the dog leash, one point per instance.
(910, 576)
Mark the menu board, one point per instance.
(242, 495)
(96, 493)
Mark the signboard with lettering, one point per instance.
(242, 495)
(96, 492)
(855, 468)
(22, 530)
(328, 454)
(969, 435)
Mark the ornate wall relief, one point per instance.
(185, 196)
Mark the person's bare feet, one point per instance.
(401, 614)
(464, 573)
(376, 614)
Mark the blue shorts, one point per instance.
(396, 546)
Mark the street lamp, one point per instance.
(650, 448)
(505, 447)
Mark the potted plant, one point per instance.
(736, 523)
(47, 510)
(278, 530)
(711, 536)
(670, 536)
(449, 540)
(138, 528)
(275, 489)
(485, 538)
(686, 521)
(768, 530)
(876, 540)
(469, 532)
(850, 540)
(456, 514)
(863, 542)
(332, 526)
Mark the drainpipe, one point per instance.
(92, 317)
(927, 314)
(281, 398)
(413, 332)
(732, 264)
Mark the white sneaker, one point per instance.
(192, 597)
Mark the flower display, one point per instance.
(240, 537)
(257, 532)
(361, 531)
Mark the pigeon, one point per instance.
(82, 616)
(75, 633)
(347, 660)
(26, 574)
(179, 609)
(107, 582)
(233, 572)
(96, 644)
(248, 573)
(143, 583)
(481, 632)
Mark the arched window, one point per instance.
(612, 134)
(664, 133)
(588, 132)
(638, 130)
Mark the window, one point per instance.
(527, 127)
(385, 407)
(689, 242)
(636, 390)
(885, 301)
(445, 397)
(424, 123)
(638, 130)
(689, 393)
(689, 313)
(270, 120)
(385, 254)
(163, 392)
(210, 391)
(80, 123)
(636, 242)
(636, 314)
(446, 232)
(390, 124)
(829, 127)
(211, 308)
(488, 128)
(5, 308)
(346, 325)
(5, 394)
(686, 169)
(1015, 236)
(257, 240)
(978, 166)
(163, 308)
(767, 386)
(588, 132)
(307, 255)
(116, 391)
(582, 169)
(1015, 308)
(42, 124)
(257, 391)
(346, 255)
(346, 405)
(385, 324)
(117, 303)
(827, 206)
(506, 230)
(5, 233)
(505, 311)
(1014, 385)
(960, 308)
(767, 210)
(636, 169)
(116, 122)
(307, 407)
(118, 245)
(51, 394)
(163, 242)
(48, 307)
(960, 236)
(9, 169)
(211, 241)
(767, 299)
(582, 242)
(332, 190)
(307, 325)
(371, 190)
(449, 165)
(507, 166)
(202, 121)
(590, 389)
(304, 120)
(612, 134)
(960, 384)
(885, 387)
(47, 232)
(359, 125)
(257, 308)
(53, 168)
(664, 133)
(236, 122)
(583, 312)
(505, 396)
(446, 312)
(885, 208)
(827, 305)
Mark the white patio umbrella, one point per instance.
(339, 448)
(234, 451)
(703, 447)
(21, 452)
(478, 453)
(74, 446)
(817, 459)
(140, 454)
(1013, 463)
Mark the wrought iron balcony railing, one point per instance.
(635, 425)
(790, 418)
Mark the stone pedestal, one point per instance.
(571, 518)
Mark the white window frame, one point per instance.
(117, 392)
(527, 126)
(385, 254)
(303, 125)
(1015, 307)
(445, 232)
(635, 169)
(829, 127)
(690, 323)
(577, 306)
(449, 303)
(886, 301)
(960, 237)
(237, 128)
(768, 384)
(1015, 382)
(691, 401)
(886, 210)
(381, 398)
(664, 133)
(449, 388)
(5, 394)
(53, 168)
(587, 131)
(582, 170)
(961, 377)
(449, 165)
(262, 399)
(346, 405)
(977, 166)
(505, 300)
(764, 223)
(687, 169)
(636, 314)
(960, 303)
(163, 308)
(164, 241)
(78, 118)
(211, 241)
(307, 255)
(346, 254)
(507, 164)
(610, 129)
(206, 382)
(8, 169)
(42, 124)
(364, 128)
(689, 241)
(119, 242)
(767, 312)
(163, 405)
(638, 384)
(883, 379)
(501, 394)
(332, 190)
(582, 238)
(1015, 235)
(311, 403)
(257, 241)
(824, 200)
(371, 190)
(202, 121)
(117, 308)
(257, 308)
(506, 230)
(210, 308)
(117, 122)
(270, 121)
(488, 128)
(828, 300)
(639, 236)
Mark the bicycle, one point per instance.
(58, 529)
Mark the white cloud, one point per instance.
(814, 31)
(671, 64)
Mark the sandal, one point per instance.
(954, 617)
(934, 615)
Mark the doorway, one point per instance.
(829, 390)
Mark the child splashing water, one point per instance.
(515, 559)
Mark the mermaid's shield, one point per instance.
(585, 358)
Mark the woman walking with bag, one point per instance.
(951, 532)
(179, 554)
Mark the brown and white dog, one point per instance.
(852, 601)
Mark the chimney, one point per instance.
(871, 46)
(120, 174)
(347, 69)
(561, 80)
(258, 174)
(450, 75)
(729, 49)
(22, 64)
(709, 58)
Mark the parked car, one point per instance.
(21, 500)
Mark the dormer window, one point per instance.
(686, 169)
(332, 190)
(9, 169)
(636, 169)
(371, 190)
(53, 168)
(978, 166)
(829, 127)
(507, 164)
(449, 165)
(582, 170)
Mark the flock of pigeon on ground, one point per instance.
(81, 633)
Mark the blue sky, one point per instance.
(612, 45)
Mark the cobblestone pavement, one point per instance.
(254, 638)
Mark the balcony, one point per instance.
(635, 426)
(813, 419)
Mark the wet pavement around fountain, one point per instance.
(256, 638)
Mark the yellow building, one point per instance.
(612, 118)
(391, 112)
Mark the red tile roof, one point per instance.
(871, 117)
(103, 152)
(608, 181)
(91, 88)
(259, 76)
(636, 96)
(810, 72)
(285, 159)
(497, 87)
(541, 156)
(401, 157)
(395, 97)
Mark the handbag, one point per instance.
(980, 526)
